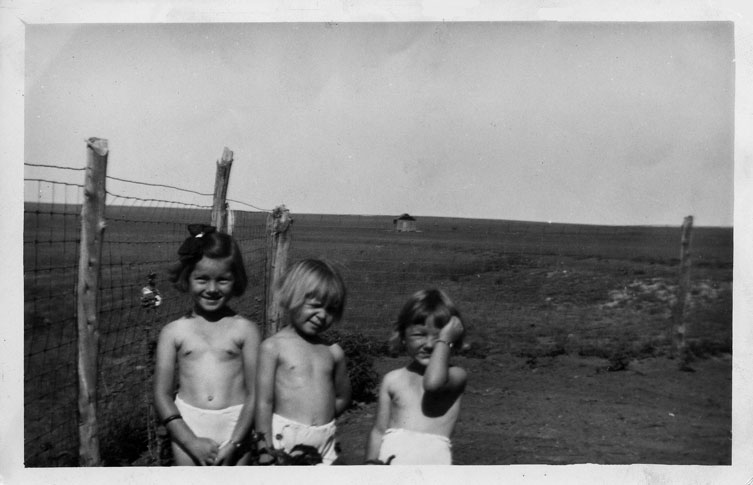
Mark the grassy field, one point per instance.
(517, 282)
(568, 327)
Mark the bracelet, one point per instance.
(444, 342)
(172, 417)
(236, 444)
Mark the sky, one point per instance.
(588, 122)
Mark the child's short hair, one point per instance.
(424, 305)
(205, 241)
(313, 278)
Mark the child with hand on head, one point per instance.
(302, 381)
(213, 350)
(419, 404)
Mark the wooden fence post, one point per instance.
(89, 268)
(278, 227)
(678, 317)
(221, 180)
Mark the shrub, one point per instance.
(702, 348)
(621, 350)
(124, 441)
(619, 359)
(360, 352)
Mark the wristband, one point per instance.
(444, 342)
(171, 418)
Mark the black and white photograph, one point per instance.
(508, 238)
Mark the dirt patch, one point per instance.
(570, 410)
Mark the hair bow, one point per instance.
(194, 244)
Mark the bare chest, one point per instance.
(409, 396)
(215, 345)
(301, 365)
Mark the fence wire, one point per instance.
(51, 241)
(140, 244)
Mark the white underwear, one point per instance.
(415, 448)
(287, 433)
(217, 424)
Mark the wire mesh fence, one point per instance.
(140, 244)
(51, 235)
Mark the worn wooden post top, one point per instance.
(98, 145)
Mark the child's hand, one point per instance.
(226, 453)
(272, 456)
(452, 331)
(204, 451)
(266, 458)
(376, 461)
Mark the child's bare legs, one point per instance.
(180, 457)
(244, 460)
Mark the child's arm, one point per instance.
(381, 421)
(265, 391)
(342, 381)
(438, 376)
(203, 450)
(249, 352)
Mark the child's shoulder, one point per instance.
(239, 320)
(244, 328)
(281, 335)
(177, 324)
(335, 349)
(176, 330)
(274, 341)
(457, 371)
(396, 374)
(458, 377)
(238, 317)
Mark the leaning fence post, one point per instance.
(221, 180)
(678, 317)
(278, 232)
(92, 233)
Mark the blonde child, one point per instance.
(419, 404)
(302, 382)
(215, 351)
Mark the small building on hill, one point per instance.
(405, 223)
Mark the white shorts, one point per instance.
(217, 424)
(415, 448)
(287, 433)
